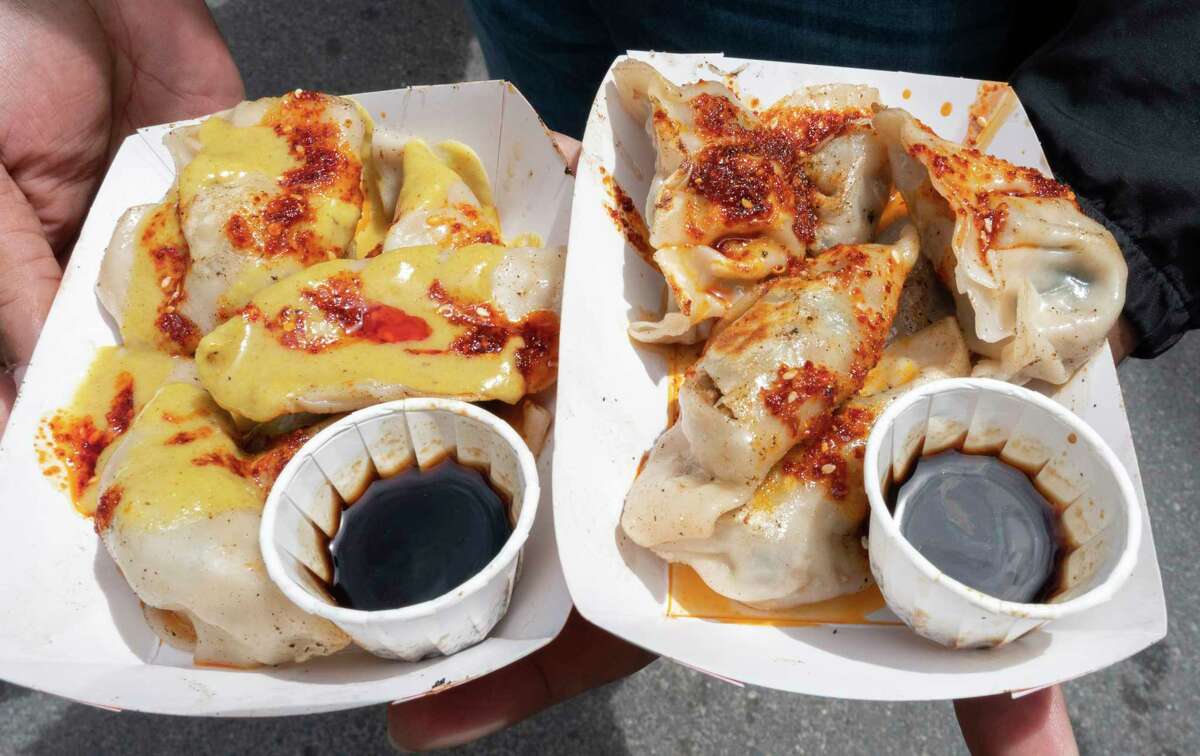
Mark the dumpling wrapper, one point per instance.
(443, 197)
(737, 194)
(474, 323)
(143, 279)
(265, 189)
(179, 511)
(799, 539)
(766, 379)
(1038, 284)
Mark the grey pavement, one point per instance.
(1144, 705)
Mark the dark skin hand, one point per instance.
(78, 76)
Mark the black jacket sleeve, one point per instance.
(1115, 99)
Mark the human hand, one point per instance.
(80, 75)
(1122, 339)
(582, 657)
(1034, 724)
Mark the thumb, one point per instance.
(29, 281)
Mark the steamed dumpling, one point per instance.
(143, 279)
(1038, 284)
(443, 198)
(474, 323)
(736, 194)
(265, 189)
(261, 191)
(765, 381)
(799, 538)
(179, 511)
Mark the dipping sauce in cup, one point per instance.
(950, 559)
(416, 535)
(427, 504)
(982, 522)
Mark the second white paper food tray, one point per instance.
(76, 629)
(613, 403)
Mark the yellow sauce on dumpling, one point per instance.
(178, 464)
(118, 383)
(152, 318)
(283, 193)
(417, 318)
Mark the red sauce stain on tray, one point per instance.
(628, 220)
(994, 102)
(71, 444)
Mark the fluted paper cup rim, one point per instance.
(477, 582)
(1094, 443)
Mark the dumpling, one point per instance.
(143, 278)
(179, 511)
(1038, 284)
(799, 538)
(474, 323)
(443, 199)
(261, 191)
(765, 382)
(265, 189)
(737, 194)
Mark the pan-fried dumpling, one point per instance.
(799, 538)
(474, 323)
(265, 189)
(443, 199)
(766, 381)
(1037, 283)
(737, 194)
(179, 511)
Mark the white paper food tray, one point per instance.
(74, 628)
(613, 401)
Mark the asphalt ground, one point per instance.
(1146, 704)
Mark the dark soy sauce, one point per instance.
(415, 536)
(982, 522)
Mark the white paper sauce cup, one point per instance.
(302, 515)
(1076, 471)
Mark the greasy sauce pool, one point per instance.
(416, 536)
(982, 522)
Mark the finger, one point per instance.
(1031, 725)
(171, 62)
(570, 149)
(30, 279)
(8, 395)
(582, 657)
(1122, 339)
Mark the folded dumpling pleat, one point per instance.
(765, 381)
(799, 538)
(737, 194)
(1038, 284)
(444, 199)
(474, 323)
(179, 511)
